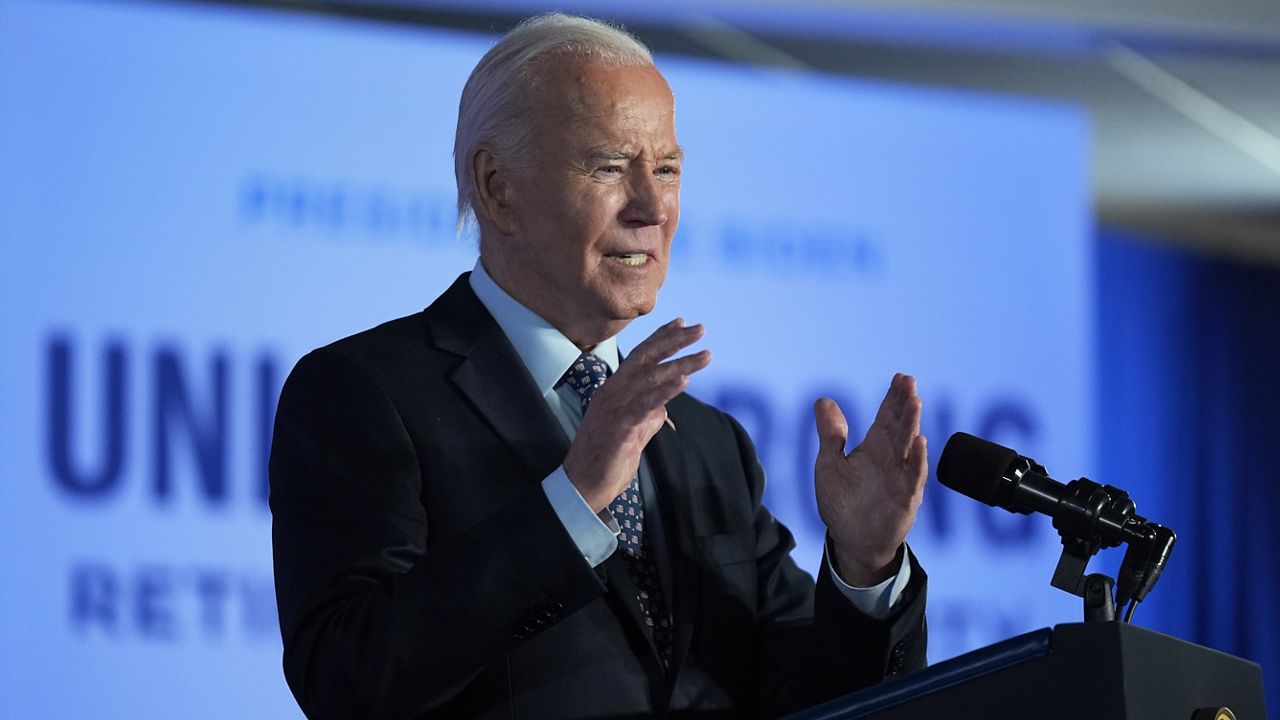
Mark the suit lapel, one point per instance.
(623, 598)
(666, 455)
(492, 377)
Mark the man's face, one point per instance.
(596, 205)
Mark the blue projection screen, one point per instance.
(191, 197)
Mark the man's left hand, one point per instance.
(869, 498)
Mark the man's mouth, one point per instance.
(632, 259)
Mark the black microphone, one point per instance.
(1087, 516)
(998, 476)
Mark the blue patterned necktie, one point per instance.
(585, 376)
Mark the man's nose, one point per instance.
(646, 200)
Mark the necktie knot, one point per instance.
(586, 375)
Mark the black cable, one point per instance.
(1128, 614)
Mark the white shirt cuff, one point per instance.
(878, 600)
(592, 533)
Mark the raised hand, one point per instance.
(628, 410)
(869, 498)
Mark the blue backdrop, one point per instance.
(1189, 423)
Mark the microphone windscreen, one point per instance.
(974, 467)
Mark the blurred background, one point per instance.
(1062, 217)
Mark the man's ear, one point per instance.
(492, 191)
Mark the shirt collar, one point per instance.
(546, 352)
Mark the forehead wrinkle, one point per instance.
(631, 135)
(582, 101)
(581, 111)
(621, 109)
(609, 153)
(622, 152)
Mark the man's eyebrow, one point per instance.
(615, 154)
(607, 154)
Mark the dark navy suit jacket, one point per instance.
(421, 571)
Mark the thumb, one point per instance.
(833, 429)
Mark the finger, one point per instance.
(677, 370)
(833, 428)
(659, 395)
(918, 463)
(906, 392)
(889, 410)
(636, 393)
(656, 343)
(899, 414)
(907, 428)
(685, 365)
(666, 341)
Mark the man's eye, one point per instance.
(669, 170)
(609, 169)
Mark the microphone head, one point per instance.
(974, 467)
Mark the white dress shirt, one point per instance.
(547, 354)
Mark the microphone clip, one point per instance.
(1091, 517)
(1088, 518)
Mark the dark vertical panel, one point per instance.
(1189, 416)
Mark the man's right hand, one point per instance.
(628, 410)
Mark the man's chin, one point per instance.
(632, 310)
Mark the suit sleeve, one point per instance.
(374, 624)
(816, 645)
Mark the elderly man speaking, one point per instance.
(485, 510)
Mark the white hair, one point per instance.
(495, 107)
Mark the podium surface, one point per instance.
(1080, 671)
